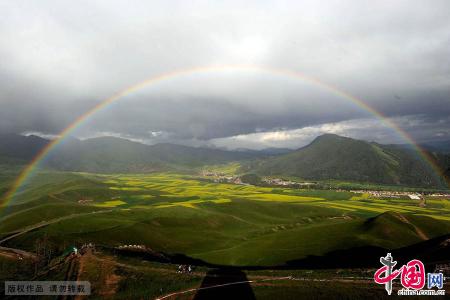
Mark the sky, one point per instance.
(59, 59)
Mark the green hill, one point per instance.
(335, 157)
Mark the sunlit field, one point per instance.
(169, 190)
(227, 224)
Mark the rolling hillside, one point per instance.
(217, 223)
(334, 157)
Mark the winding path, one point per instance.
(52, 221)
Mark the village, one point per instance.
(220, 177)
(400, 194)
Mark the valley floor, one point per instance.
(277, 242)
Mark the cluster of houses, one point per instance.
(401, 194)
(132, 247)
(220, 177)
(278, 181)
(282, 182)
(88, 247)
(208, 173)
(440, 195)
(391, 194)
(185, 268)
(73, 251)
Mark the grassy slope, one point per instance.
(176, 214)
(335, 157)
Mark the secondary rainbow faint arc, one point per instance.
(26, 173)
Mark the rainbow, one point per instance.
(31, 167)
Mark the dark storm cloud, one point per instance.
(60, 58)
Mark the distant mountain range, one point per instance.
(111, 154)
(327, 157)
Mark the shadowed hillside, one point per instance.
(110, 154)
(334, 157)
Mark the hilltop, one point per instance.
(331, 156)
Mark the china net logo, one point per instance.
(412, 277)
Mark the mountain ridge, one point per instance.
(327, 157)
(341, 158)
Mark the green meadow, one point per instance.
(218, 223)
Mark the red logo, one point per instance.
(412, 274)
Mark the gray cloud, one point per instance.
(60, 58)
